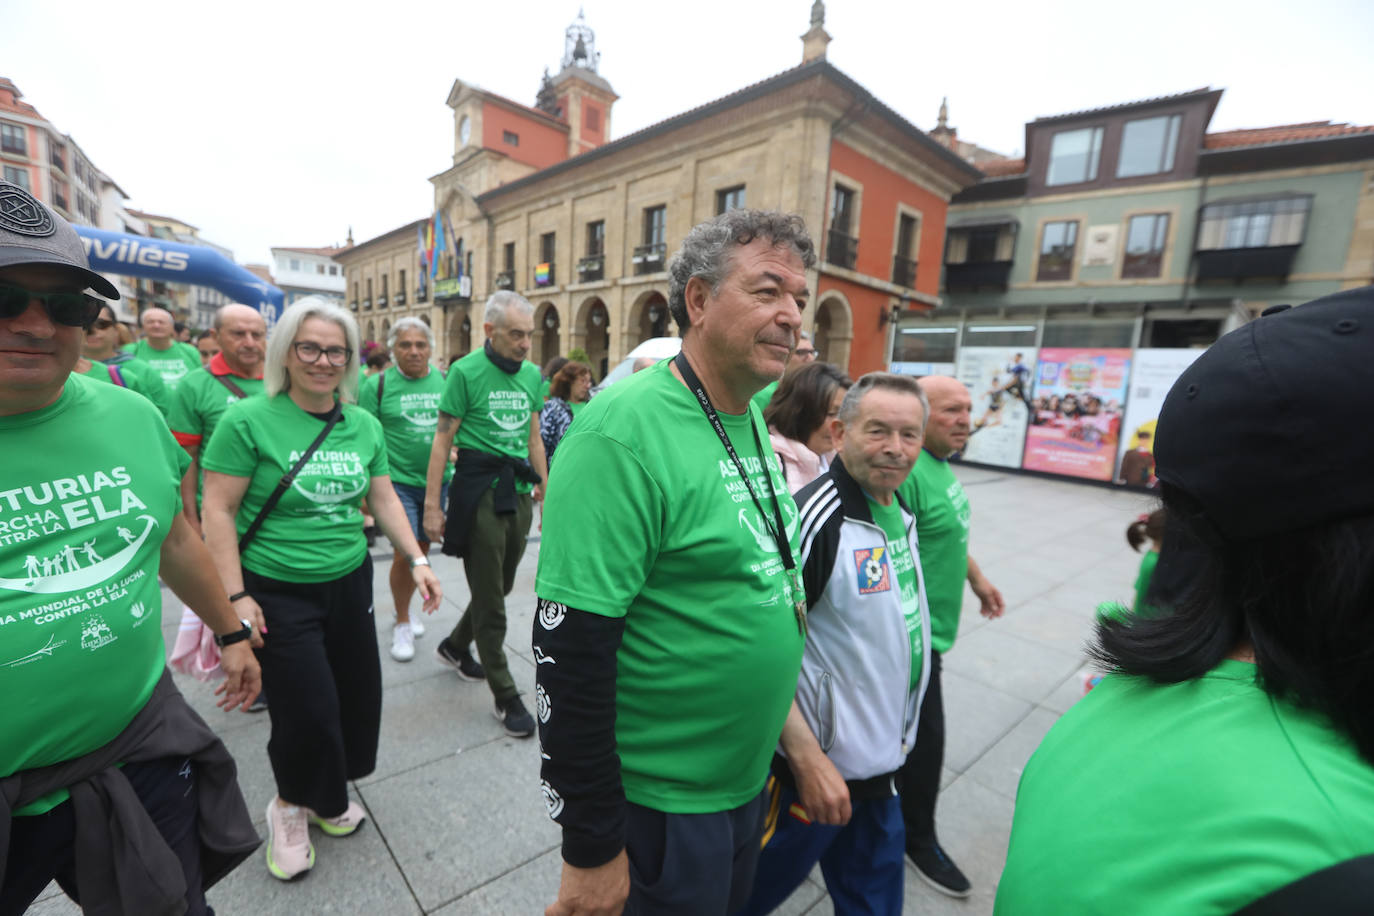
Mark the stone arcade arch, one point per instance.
(647, 318)
(547, 324)
(834, 330)
(592, 332)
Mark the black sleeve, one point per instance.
(575, 666)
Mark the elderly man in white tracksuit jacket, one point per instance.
(834, 798)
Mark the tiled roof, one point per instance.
(18, 107)
(323, 252)
(1283, 133)
(1001, 168)
(1190, 94)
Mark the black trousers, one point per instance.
(920, 774)
(42, 847)
(693, 864)
(320, 666)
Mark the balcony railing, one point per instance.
(648, 259)
(904, 271)
(367, 304)
(545, 275)
(1243, 263)
(381, 302)
(56, 159)
(505, 279)
(353, 306)
(971, 277)
(421, 294)
(842, 250)
(592, 267)
(401, 298)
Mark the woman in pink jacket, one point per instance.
(798, 419)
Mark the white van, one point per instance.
(656, 348)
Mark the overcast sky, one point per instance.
(285, 123)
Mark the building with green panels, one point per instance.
(1133, 226)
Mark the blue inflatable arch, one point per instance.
(174, 262)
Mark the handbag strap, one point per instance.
(381, 383)
(229, 383)
(287, 479)
(116, 376)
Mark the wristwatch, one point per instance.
(418, 561)
(239, 635)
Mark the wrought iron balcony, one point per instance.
(904, 271)
(401, 297)
(367, 304)
(381, 302)
(592, 267)
(842, 250)
(648, 259)
(505, 280)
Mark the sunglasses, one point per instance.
(101, 324)
(75, 310)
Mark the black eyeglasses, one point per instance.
(309, 352)
(75, 310)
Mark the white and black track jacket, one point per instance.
(856, 668)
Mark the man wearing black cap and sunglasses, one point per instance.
(95, 740)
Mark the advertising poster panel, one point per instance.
(1152, 375)
(1076, 411)
(1000, 380)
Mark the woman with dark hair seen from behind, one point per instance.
(572, 384)
(295, 563)
(797, 418)
(1227, 763)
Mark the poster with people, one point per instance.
(1000, 381)
(1152, 375)
(1076, 411)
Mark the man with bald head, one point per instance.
(942, 526)
(160, 348)
(233, 373)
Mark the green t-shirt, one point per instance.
(575, 406)
(544, 389)
(669, 539)
(315, 533)
(494, 406)
(90, 489)
(942, 521)
(138, 376)
(889, 518)
(1194, 798)
(173, 364)
(761, 399)
(409, 413)
(198, 406)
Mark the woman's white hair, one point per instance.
(275, 378)
(408, 323)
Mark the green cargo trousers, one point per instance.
(496, 544)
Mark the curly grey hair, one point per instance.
(707, 250)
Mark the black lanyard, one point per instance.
(776, 527)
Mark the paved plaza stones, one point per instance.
(457, 822)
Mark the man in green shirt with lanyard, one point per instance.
(671, 613)
(491, 403)
(405, 398)
(160, 349)
(942, 524)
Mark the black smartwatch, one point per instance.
(239, 635)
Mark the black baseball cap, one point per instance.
(30, 233)
(1272, 429)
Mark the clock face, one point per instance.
(465, 130)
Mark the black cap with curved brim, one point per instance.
(30, 233)
(1272, 429)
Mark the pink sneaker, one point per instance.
(289, 852)
(344, 824)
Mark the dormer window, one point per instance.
(1148, 146)
(1074, 155)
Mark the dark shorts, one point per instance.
(413, 501)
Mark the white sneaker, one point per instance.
(417, 626)
(402, 642)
